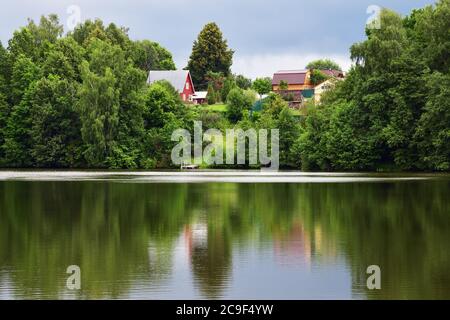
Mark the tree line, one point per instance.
(81, 100)
(393, 110)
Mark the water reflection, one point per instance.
(224, 240)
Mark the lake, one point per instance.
(223, 235)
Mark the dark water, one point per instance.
(146, 239)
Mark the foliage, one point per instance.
(55, 129)
(210, 53)
(289, 129)
(323, 64)
(243, 82)
(238, 102)
(262, 85)
(391, 112)
(433, 133)
(211, 95)
(99, 114)
(283, 85)
(148, 55)
(79, 100)
(228, 84)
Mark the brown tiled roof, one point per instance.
(333, 73)
(290, 76)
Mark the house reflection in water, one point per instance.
(210, 258)
(294, 247)
(300, 246)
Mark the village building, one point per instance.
(323, 87)
(200, 97)
(296, 85)
(180, 79)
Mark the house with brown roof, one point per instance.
(296, 80)
(297, 84)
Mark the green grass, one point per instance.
(216, 107)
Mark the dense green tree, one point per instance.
(5, 70)
(289, 129)
(159, 101)
(49, 29)
(17, 134)
(211, 95)
(99, 113)
(64, 60)
(347, 146)
(273, 105)
(210, 52)
(24, 73)
(433, 130)
(4, 114)
(128, 150)
(318, 77)
(389, 112)
(83, 32)
(216, 79)
(96, 68)
(262, 85)
(228, 84)
(428, 27)
(323, 64)
(243, 82)
(35, 40)
(148, 55)
(55, 127)
(163, 113)
(239, 101)
(311, 147)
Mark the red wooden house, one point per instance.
(180, 79)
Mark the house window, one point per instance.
(187, 85)
(184, 97)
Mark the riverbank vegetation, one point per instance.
(80, 100)
(393, 109)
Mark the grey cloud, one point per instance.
(252, 27)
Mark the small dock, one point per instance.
(188, 166)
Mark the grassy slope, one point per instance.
(216, 107)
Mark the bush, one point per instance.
(212, 98)
(238, 102)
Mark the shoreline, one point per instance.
(212, 176)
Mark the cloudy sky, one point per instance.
(267, 35)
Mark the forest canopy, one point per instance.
(393, 109)
(81, 99)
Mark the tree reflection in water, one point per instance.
(121, 234)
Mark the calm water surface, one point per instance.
(223, 235)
